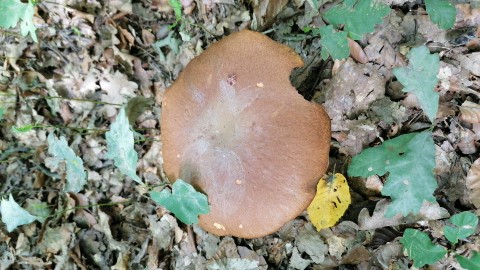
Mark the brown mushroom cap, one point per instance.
(235, 128)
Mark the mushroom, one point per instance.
(235, 128)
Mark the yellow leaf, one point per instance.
(330, 202)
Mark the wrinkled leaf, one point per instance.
(13, 215)
(333, 43)
(357, 52)
(297, 262)
(120, 145)
(465, 225)
(410, 159)
(234, 264)
(76, 176)
(420, 78)
(470, 112)
(12, 11)
(310, 242)
(473, 184)
(441, 12)
(472, 263)
(359, 17)
(420, 248)
(265, 11)
(330, 202)
(428, 211)
(183, 201)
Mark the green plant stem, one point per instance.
(86, 100)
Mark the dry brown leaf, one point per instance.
(473, 184)
(470, 62)
(117, 89)
(357, 52)
(374, 183)
(467, 16)
(265, 11)
(429, 211)
(466, 142)
(470, 112)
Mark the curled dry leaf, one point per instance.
(467, 16)
(265, 11)
(470, 62)
(357, 52)
(473, 184)
(374, 183)
(466, 142)
(429, 211)
(470, 112)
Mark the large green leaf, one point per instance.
(358, 16)
(333, 43)
(420, 78)
(12, 11)
(420, 248)
(13, 215)
(183, 201)
(465, 225)
(76, 176)
(441, 12)
(120, 145)
(472, 263)
(410, 160)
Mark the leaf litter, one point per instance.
(93, 57)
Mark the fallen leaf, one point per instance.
(297, 262)
(428, 211)
(470, 62)
(330, 202)
(13, 215)
(357, 52)
(310, 242)
(473, 183)
(467, 142)
(265, 11)
(470, 112)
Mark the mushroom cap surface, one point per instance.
(235, 128)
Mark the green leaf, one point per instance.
(2, 112)
(13, 215)
(183, 201)
(177, 9)
(420, 248)
(120, 146)
(358, 17)
(334, 43)
(472, 263)
(12, 11)
(410, 159)
(420, 78)
(76, 176)
(465, 223)
(441, 12)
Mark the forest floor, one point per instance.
(94, 56)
